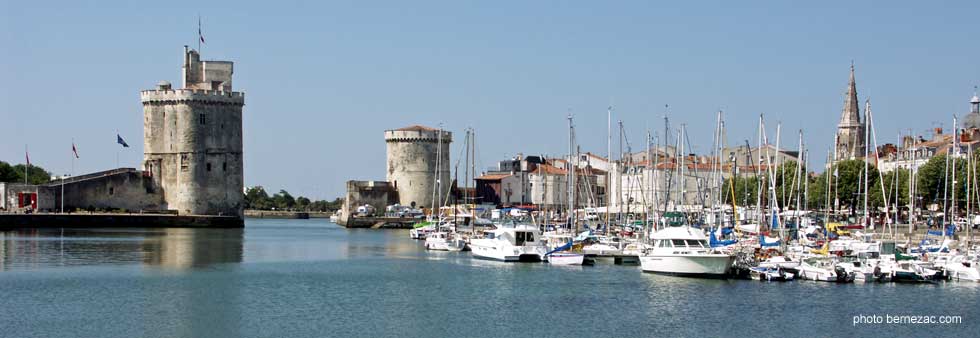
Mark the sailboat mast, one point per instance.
(649, 182)
(867, 125)
(758, 178)
(620, 170)
(609, 162)
(682, 180)
(473, 170)
(776, 207)
(829, 173)
(799, 177)
(952, 194)
(571, 187)
(438, 182)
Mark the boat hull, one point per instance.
(566, 259)
(515, 254)
(965, 274)
(437, 245)
(703, 265)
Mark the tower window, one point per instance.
(111, 190)
(185, 162)
(201, 119)
(224, 166)
(209, 166)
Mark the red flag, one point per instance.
(74, 150)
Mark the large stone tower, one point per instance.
(192, 139)
(850, 130)
(414, 154)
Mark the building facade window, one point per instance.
(201, 119)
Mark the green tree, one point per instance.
(745, 190)
(935, 179)
(848, 183)
(787, 180)
(15, 174)
(875, 196)
(8, 174)
(303, 203)
(817, 198)
(256, 198)
(283, 200)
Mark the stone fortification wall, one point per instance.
(376, 193)
(124, 188)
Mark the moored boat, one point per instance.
(684, 251)
(510, 244)
(566, 258)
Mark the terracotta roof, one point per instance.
(417, 128)
(547, 169)
(493, 177)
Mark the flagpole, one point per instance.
(72, 172)
(63, 179)
(27, 157)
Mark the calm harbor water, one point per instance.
(310, 278)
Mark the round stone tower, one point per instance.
(417, 155)
(193, 140)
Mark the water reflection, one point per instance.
(369, 243)
(168, 248)
(193, 248)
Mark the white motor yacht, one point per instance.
(684, 251)
(519, 242)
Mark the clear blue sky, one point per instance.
(324, 80)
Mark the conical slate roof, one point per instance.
(851, 114)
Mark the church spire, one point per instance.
(850, 141)
(851, 114)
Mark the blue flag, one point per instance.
(120, 141)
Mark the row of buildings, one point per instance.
(624, 185)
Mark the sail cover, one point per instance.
(714, 242)
(768, 241)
